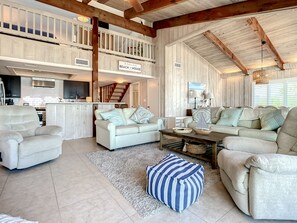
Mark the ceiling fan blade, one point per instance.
(136, 5)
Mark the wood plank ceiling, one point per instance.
(232, 47)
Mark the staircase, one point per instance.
(113, 92)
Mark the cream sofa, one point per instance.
(113, 137)
(249, 124)
(261, 175)
(22, 142)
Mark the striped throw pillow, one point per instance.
(175, 182)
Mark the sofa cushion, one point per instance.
(258, 134)
(272, 120)
(225, 129)
(127, 114)
(115, 116)
(148, 127)
(249, 114)
(31, 145)
(126, 130)
(141, 115)
(251, 124)
(233, 164)
(201, 116)
(230, 117)
(215, 113)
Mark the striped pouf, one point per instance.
(175, 182)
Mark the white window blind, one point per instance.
(292, 94)
(276, 94)
(282, 92)
(260, 94)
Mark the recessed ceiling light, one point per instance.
(82, 18)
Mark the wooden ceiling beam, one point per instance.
(257, 28)
(102, 1)
(149, 6)
(86, 1)
(218, 43)
(226, 11)
(89, 11)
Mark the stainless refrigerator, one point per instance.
(2, 93)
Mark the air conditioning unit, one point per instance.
(82, 62)
(43, 82)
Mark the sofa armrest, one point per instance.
(49, 130)
(157, 120)
(187, 121)
(7, 135)
(273, 163)
(105, 124)
(249, 145)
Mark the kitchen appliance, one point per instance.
(2, 93)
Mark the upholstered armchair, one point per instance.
(22, 142)
(261, 176)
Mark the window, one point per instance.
(282, 92)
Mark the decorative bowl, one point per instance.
(202, 131)
(196, 149)
(182, 130)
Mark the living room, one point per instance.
(71, 188)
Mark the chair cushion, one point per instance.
(37, 144)
(272, 120)
(141, 115)
(230, 117)
(126, 130)
(148, 127)
(233, 164)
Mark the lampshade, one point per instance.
(209, 95)
(195, 94)
(261, 77)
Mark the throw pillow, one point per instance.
(141, 115)
(202, 117)
(230, 117)
(215, 113)
(272, 120)
(113, 116)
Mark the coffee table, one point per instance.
(213, 139)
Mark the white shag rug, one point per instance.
(126, 170)
(9, 219)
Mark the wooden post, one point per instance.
(95, 67)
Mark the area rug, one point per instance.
(9, 219)
(126, 170)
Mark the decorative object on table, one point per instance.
(9, 219)
(126, 170)
(196, 149)
(202, 131)
(195, 93)
(168, 177)
(182, 130)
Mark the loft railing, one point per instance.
(26, 22)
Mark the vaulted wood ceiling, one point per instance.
(234, 46)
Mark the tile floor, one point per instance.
(70, 189)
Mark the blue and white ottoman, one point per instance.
(175, 182)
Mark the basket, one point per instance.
(202, 131)
(182, 130)
(196, 149)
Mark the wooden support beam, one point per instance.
(104, 16)
(218, 43)
(102, 1)
(86, 1)
(257, 28)
(226, 11)
(95, 65)
(149, 6)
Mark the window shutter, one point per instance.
(260, 95)
(276, 94)
(292, 94)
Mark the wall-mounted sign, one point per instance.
(129, 66)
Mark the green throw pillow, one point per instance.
(114, 116)
(141, 115)
(230, 117)
(272, 120)
(202, 117)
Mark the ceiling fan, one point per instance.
(134, 3)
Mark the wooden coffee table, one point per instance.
(177, 142)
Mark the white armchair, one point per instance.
(261, 175)
(22, 142)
